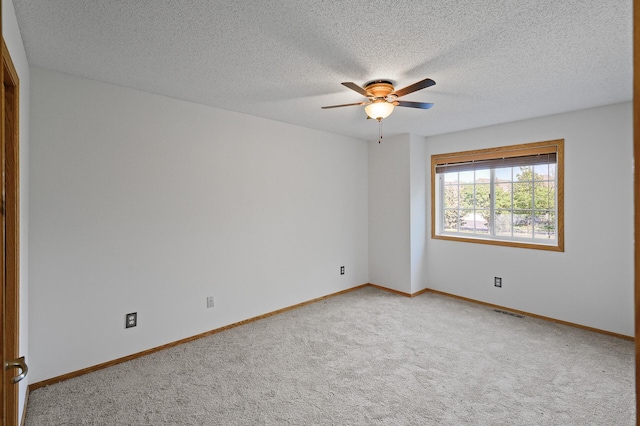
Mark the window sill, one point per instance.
(528, 245)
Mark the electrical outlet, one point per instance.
(131, 320)
(342, 270)
(210, 302)
(497, 281)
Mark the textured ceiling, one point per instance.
(494, 61)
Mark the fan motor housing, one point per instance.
(379, 88)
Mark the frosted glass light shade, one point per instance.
(379, 109)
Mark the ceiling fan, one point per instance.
(383, 97)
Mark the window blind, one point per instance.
(496, 163)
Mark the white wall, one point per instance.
(149, 204)
(389, 213)
(419, 164)
(591, 283)
(13, 39)
(397, 213)
(142, 203)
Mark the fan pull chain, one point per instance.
(379, 130)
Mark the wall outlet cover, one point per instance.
(131, 320)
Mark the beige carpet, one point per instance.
(368, 357)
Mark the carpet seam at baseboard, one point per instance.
(120, 360)
(107, 364)
(529, 314)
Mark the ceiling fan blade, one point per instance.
(344, 105)
(427, 82)
(356, 88)
(421, 105)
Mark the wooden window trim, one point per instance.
(544, 147)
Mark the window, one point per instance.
(510, 196)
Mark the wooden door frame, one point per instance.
(10, 153)
(636, 185)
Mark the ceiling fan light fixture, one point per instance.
(379, 109)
